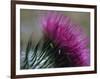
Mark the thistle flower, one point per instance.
(67, 36)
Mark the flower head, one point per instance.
(68, 36)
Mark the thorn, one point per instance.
(59, 51)
(51, 45)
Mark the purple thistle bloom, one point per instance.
(68, 36)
